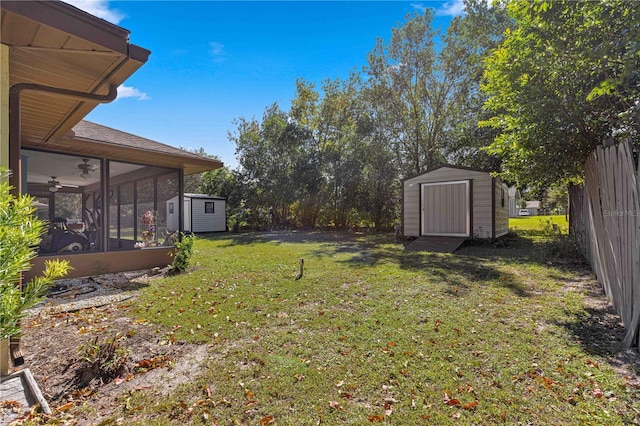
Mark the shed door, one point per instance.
(445, 209)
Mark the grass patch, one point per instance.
(375, 334)
(538, 223)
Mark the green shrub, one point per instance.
(20, 233)
(560, 244)
(183, 252)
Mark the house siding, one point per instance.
(481, 199)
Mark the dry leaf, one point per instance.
(470, 406)
(267, 420)
(335, 405)
(12, 405)
(437, 325)
(65, 407)
(376, 418)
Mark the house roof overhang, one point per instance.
(96, 140)
(56, 45)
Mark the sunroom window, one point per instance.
(68, 193)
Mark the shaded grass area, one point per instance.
(371, 333)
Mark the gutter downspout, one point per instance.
(15, 135)
(15, 164)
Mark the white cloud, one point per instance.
(132, 92)
(217, 52)
(419, 6)
(451, 8)
(99, 8)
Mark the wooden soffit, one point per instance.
(57, 45)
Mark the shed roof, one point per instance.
(203, 196)
(450, 166)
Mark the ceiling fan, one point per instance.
(55, 185)
(86, 168)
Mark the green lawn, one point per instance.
(537, 223)
(489, 335)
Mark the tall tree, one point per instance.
(472, 37)
(193, 183)
(418, 91)
(277, 157)
(564, 81)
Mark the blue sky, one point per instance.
(212, 62)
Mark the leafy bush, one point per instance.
(560, 244)
(183, 252)
(20, 233)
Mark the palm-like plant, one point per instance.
(20, 234)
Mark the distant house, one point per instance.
(533, 207)
(455, 201)
(202, 213)
(514, 201)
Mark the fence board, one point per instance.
(605, 215)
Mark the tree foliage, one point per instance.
(565, 80)
(337, 157)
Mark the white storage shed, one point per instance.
(455, 201)
(202, 213)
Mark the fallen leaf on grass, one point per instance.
(591, 363)
(388, 409)
(267, 420)
(436, 326)
(376, 418)
(470, 406)
(335, 405)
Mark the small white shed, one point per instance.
(202, 213)
(455, 201)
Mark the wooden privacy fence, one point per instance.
(605, 216)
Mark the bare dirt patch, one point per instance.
(58, 334)
(601, 332)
